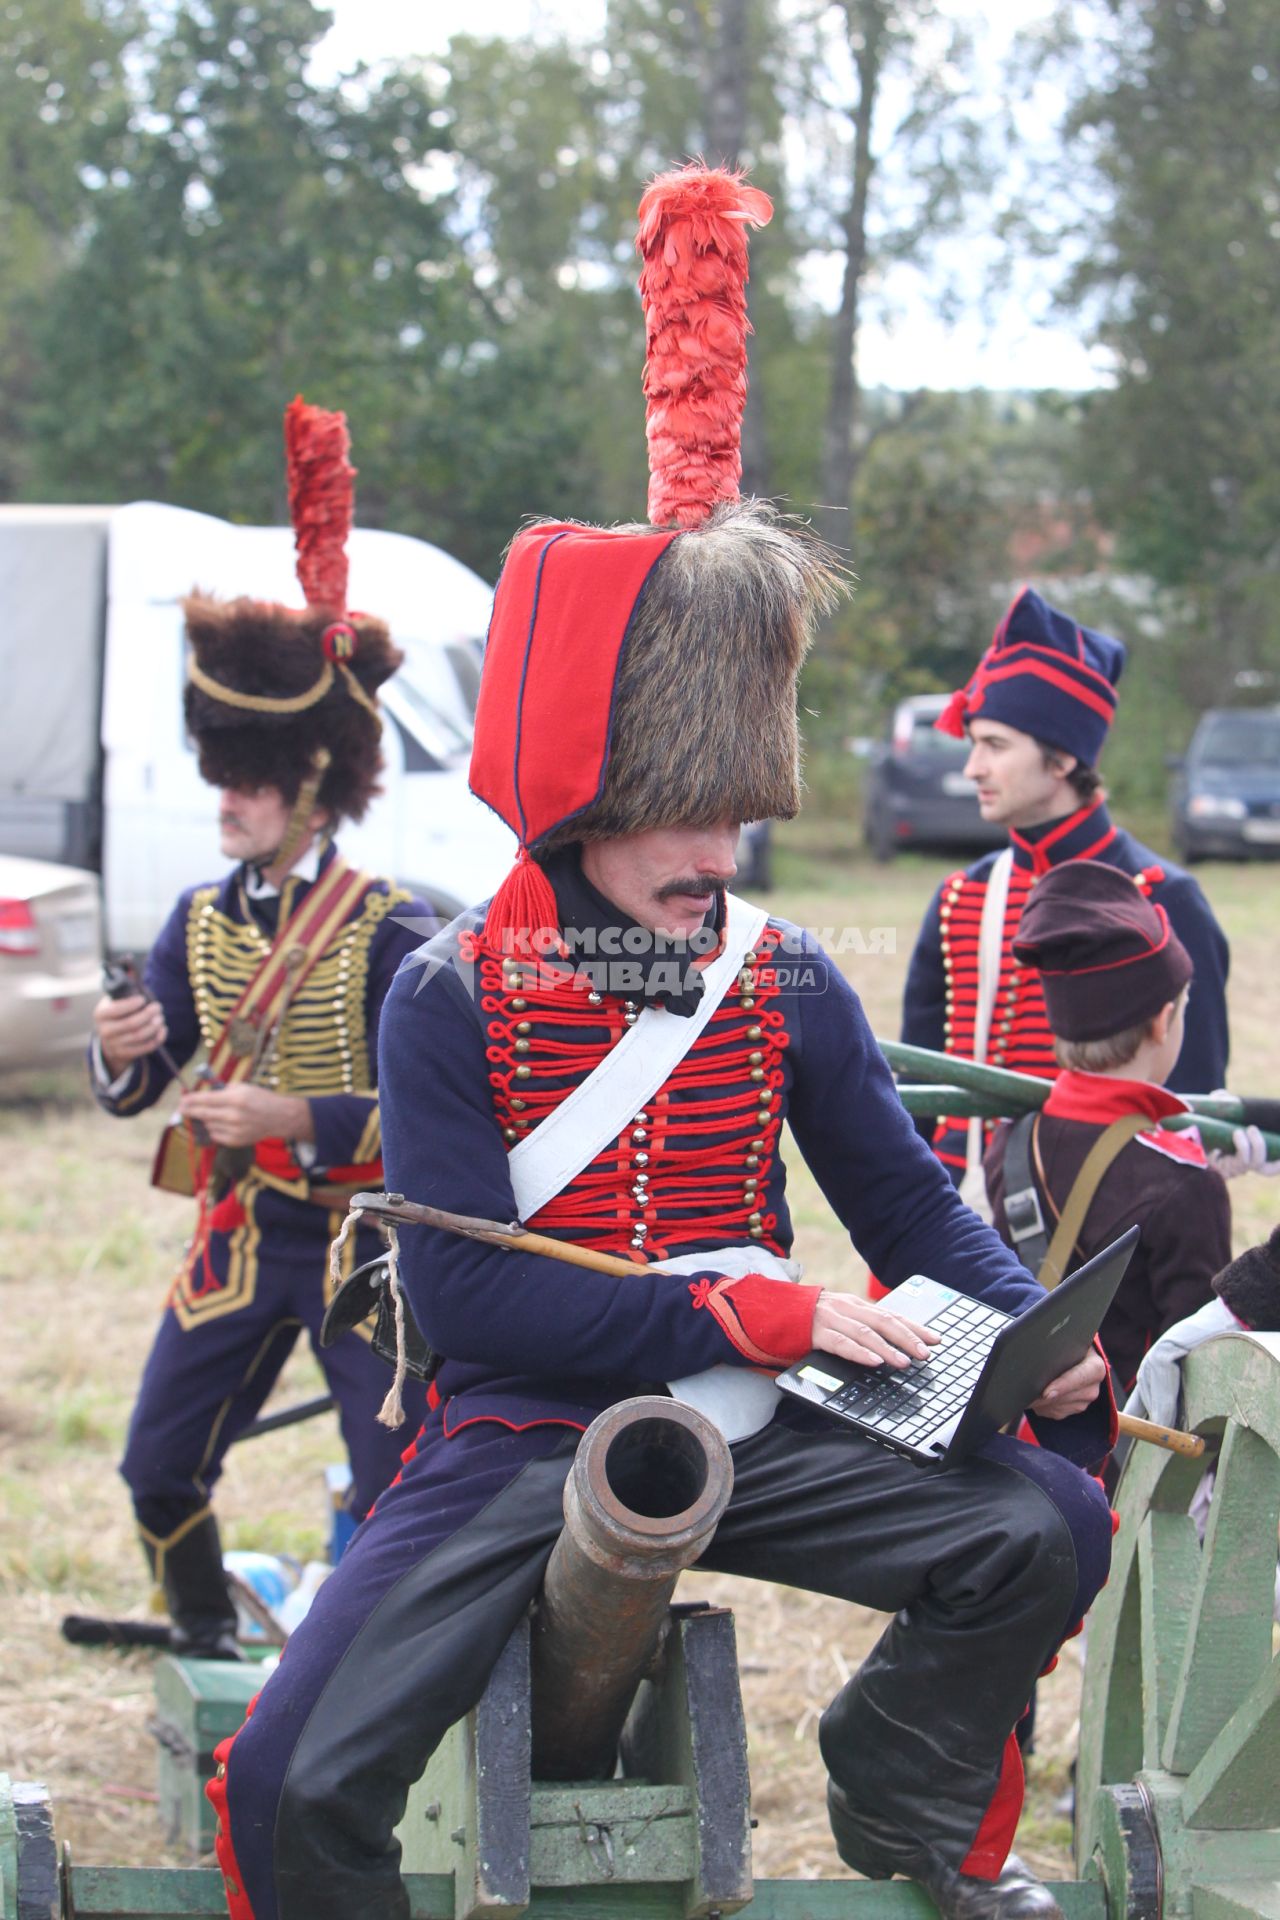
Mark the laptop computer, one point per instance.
(985, 1371)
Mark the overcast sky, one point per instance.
(1018, 347)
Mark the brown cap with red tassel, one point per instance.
(285, 698)
(645, 676)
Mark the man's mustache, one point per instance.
(697, 886)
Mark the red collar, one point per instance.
(1081, 835)
(1100, 1098)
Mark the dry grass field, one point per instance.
(87, 1248)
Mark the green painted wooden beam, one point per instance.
(1234, 1783)
(196, 1893)
(950, 1081)
(140, 1893)
(1236, 1900)
(935, 1096)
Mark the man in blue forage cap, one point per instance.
(1036, 712)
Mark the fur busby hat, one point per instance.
(1250, 1286)
(283, 697)
(1106, 955)
(645, 676)
(1046, 676)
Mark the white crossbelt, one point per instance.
(973, 1186)
(541, 1165)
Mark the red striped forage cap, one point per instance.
(1044, 675)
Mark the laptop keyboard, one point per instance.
(910, 1403)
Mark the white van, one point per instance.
(95, 767)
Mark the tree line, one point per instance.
(195, 227)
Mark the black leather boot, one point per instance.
(188, 1566)
(878, 1851)
(1015, 1895)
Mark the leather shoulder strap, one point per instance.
(325, 907)
(1099, 1157)
(1024, 1215)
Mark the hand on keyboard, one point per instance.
(860, 1330)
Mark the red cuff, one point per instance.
(770, 1321)
(1108, 1387)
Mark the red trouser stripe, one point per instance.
(238, 1907)
(994, 1837)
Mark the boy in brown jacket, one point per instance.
(1116, 979)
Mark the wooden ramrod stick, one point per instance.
(393, 1207)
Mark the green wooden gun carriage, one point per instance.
(1179, 1773)
(1178, 1791)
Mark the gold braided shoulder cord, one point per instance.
(358, 693)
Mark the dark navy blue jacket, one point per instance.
(530, 1339)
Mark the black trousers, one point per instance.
(984, 1568)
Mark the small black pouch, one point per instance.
(366, 1294)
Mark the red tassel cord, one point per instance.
(693, 287)
(321, 500)
(951, 719)
(523, 919)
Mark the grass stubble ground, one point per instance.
(87, 1247)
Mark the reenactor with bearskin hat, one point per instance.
(1037, 711)
(278, 972)
(608, 1049)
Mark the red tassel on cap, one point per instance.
(693, 284)
(523, 918)
(321, 500)
(951, 719)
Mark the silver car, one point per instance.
(50, 961)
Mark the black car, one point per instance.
(1225, 794)
(916, 793)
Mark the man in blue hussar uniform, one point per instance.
(278, 974)
(1037, 712)
(638, 702)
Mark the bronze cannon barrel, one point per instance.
(645, 1494)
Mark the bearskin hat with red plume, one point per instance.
(272, 690)
(645, 676)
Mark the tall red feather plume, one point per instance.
(321, 500)
(693, 287)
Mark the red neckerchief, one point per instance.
(1100, 1098)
